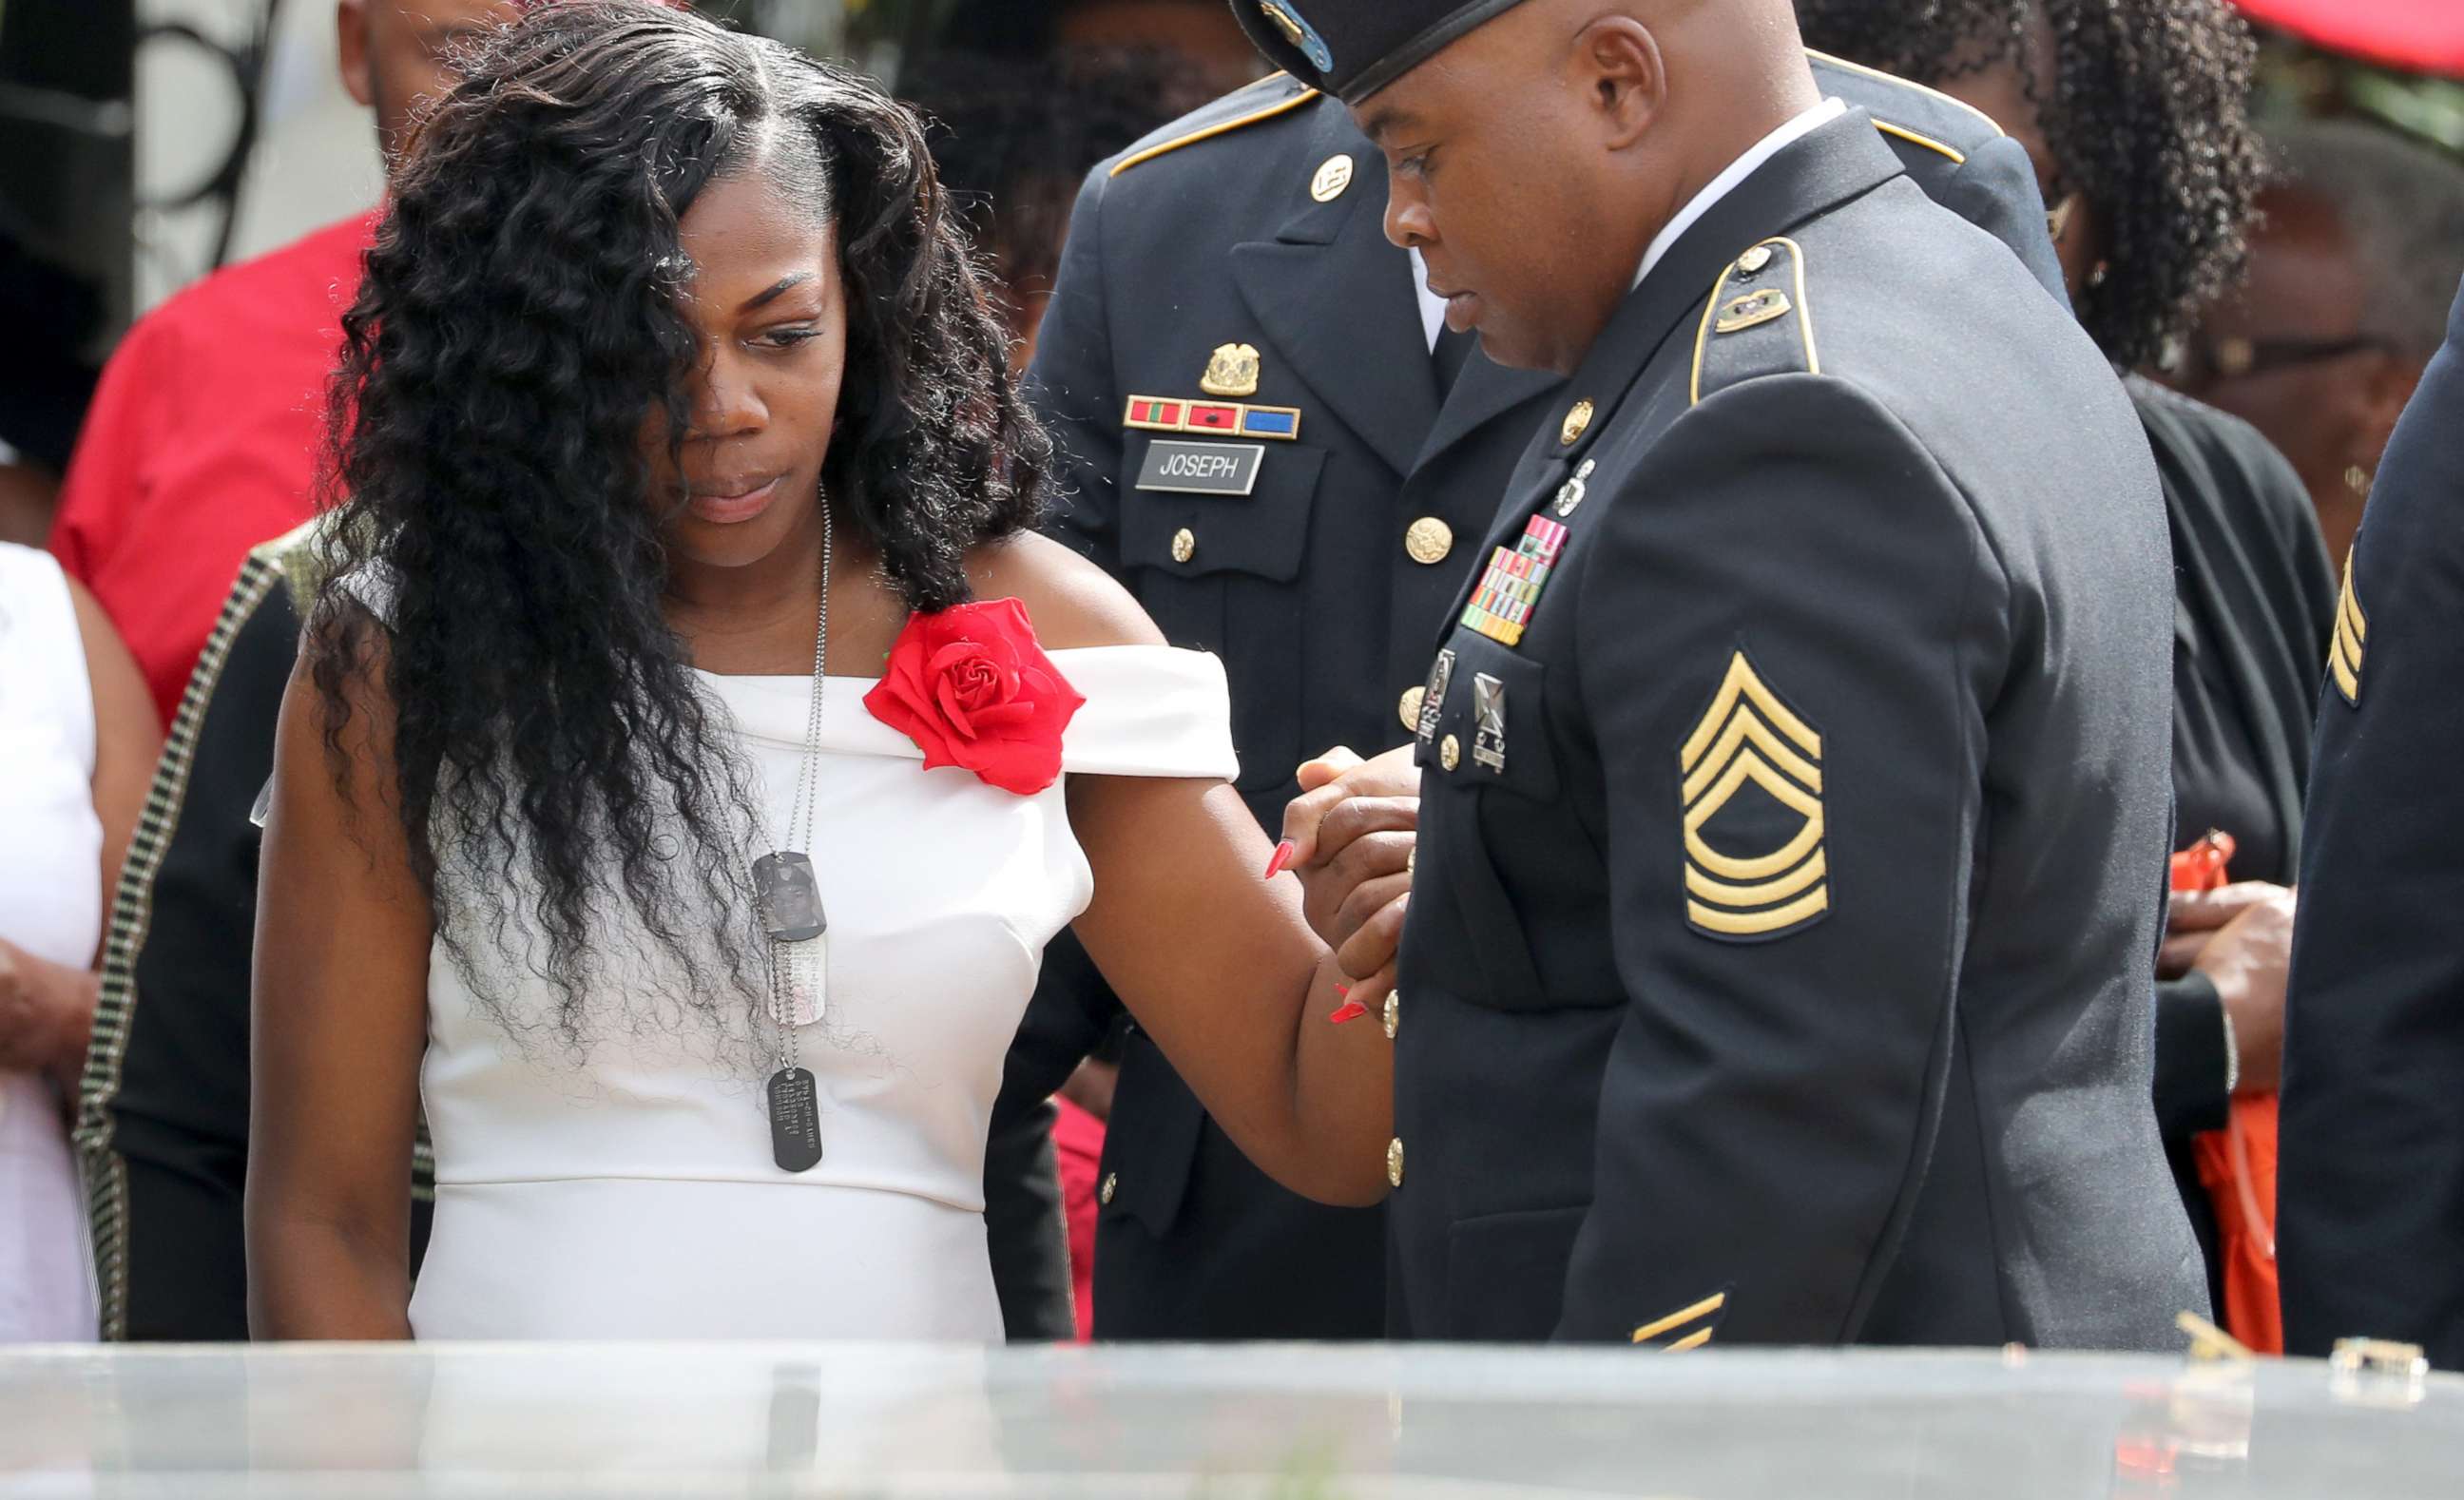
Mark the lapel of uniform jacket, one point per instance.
(1485, 391)
(1814, 175)
(1336, 301)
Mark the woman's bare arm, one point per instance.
(1215, 961)
(46, 1008)
(340, 1019)
(1220, 968)
(127, 737)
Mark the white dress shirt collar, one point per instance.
(1736, 172)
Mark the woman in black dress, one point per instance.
(2133, 112)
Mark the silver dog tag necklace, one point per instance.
(788, 895)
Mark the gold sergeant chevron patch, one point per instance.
(1686, 1328)
(1748, 739)
(2352, 633)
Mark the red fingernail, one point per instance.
(1344, 990)
(1283, 853)
(1349, 1010)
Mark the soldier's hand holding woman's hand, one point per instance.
(2241, 939)
(1351, 834)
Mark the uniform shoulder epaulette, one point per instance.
(1758, 321)
(1920, 116)
(1274, 95)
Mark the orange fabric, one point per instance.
(2253, 1312)
(2244, 1190)
(203, 441)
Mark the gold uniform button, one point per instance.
(1111, 1185)
(1579, 421)
(1450, 752)
(1409, 709)
(1393, 1013)
(1754, 259)
(1395, 1162)
(1184, 544)
(1429, 540)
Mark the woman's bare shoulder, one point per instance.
(1072, 602)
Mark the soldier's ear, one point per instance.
(351, 51)
(1619, 67)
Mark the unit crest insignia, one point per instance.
(1232, 370)
(1752, 310)
(1752, 758)
(1299, 32)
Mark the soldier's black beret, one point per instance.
(1352, 48)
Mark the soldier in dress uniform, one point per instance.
(1795, 767)
(2370, 1185)
(1272, 440)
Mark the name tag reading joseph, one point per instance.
(1201, 467)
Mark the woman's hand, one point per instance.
(46, 1015)
(2248, 959)
(2194, 918)
(1351, 833)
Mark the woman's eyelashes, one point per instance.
(787, 336)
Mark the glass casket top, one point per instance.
(583, 1420)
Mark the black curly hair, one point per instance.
(2148, 121)
(561, 777)
(1013, 137)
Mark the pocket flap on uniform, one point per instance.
(1495, 1265)
(1492, 728)
(1263, 533)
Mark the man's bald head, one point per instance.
(396, 55)
(1533, 159)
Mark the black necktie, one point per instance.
(1452, 353)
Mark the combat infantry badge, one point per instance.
(1231, 371)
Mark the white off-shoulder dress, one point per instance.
(632, 1195)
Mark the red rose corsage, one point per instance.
(971, 686)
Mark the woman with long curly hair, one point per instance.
(2135, 114)
(693, 751)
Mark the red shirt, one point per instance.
(203, 440)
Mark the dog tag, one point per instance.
(804, 981)
(795, 1121)
(791, 896)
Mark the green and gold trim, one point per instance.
(132, 913)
